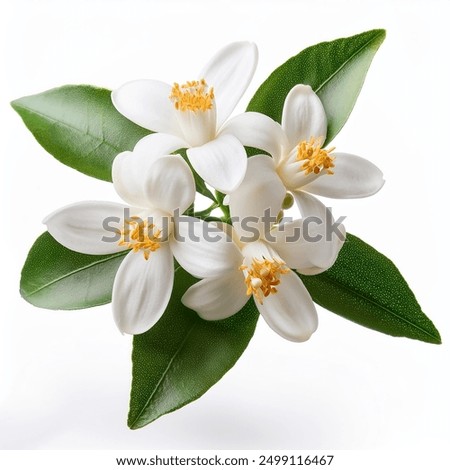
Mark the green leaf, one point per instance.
(335, 70)
(55, 277)
(365, 287)
(80, 127)
(182, 356)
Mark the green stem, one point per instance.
(223, 207)
(211, 218)
(205, 212)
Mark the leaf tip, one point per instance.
(131, 425)
(15, 104)
(432, 333)
(437, 337)
(134, 423)
(382, 35)
(381, 31)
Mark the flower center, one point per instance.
(263, 276)
(315, 158)
(138, 234)
(192, 96)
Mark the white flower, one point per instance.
(296, 147)
(232, 269)
(155, 187)
(192, 114)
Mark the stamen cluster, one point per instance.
(140, 235)
(315, 158)
(194, 96)
(263, 276)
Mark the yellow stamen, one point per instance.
(192, 96)
(316, 157)
(263, 276)
(138, 235)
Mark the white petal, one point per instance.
(229, 72)
(203, 249)
(169, 185)
(217, 298)
(88, 227)
(309, 205)
(221, 162)
(257, 130)
(290, 312)
(197, 127)
(157, 144)
(147, 103)
(254, 206)
(303, 116)
(304, 246)
(258, 250)
(310, 245)
(142, 290)
(127, 176)
(129, 167)
(353, 177)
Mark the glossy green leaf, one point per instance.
(335, 70)
(365, 287)
(79, 126)
(57, 278)
(182, 356)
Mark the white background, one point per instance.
(65, 376)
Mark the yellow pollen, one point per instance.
(317, 158)
(140, 235)
(263, 276)
(192, 96)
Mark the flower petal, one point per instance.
(229, 72)
(257, 130)
(303, 116)
(255, 205)
(259, 250)
(303, 245)
(203, 249)
(169, 184)
(157, 144)
(198, 128)
(147, 103)
(353, 177)
(309, 205)
(89, 227)
(290, 311)
(142, 290)
(129, 167)
(217, 298)
(221, 162)
(310, 245)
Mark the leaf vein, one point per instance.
(376, 303)
(164, 374)
(347, 61)
(95, 263)
(70, 126)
